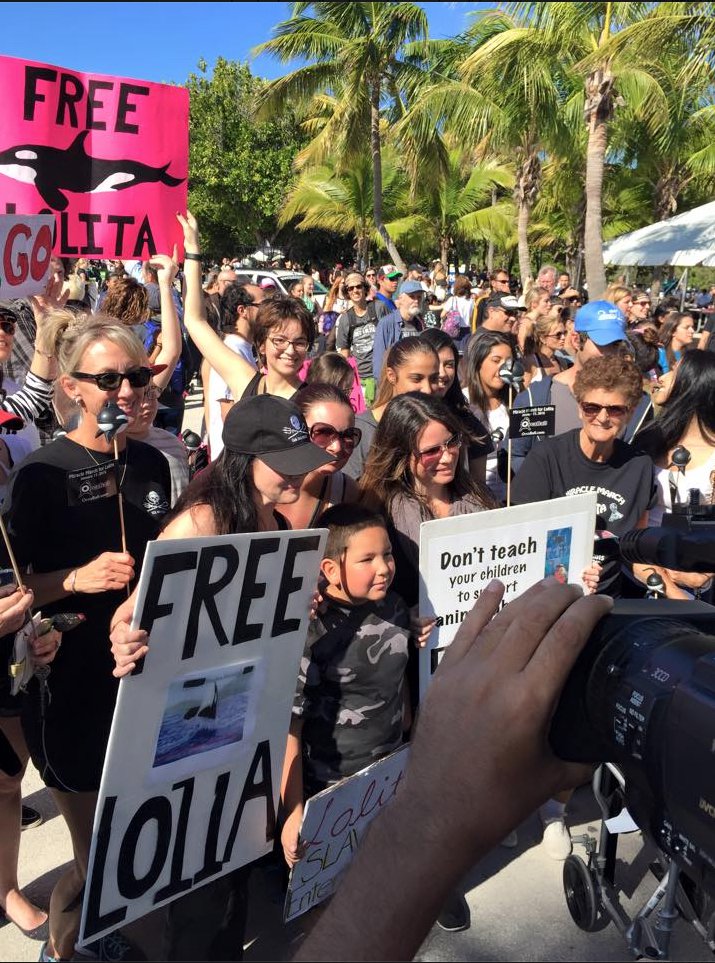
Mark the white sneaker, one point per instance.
(557, 839)
(511, 841)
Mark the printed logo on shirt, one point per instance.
(155, 504)
(88, 485)
(615, 514)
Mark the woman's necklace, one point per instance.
(100, 463)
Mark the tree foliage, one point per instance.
(240, 170)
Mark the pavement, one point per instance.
(515, 896)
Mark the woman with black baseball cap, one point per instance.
(267, 452)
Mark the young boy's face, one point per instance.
(366, 570)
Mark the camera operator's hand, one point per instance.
(483, 727)
(480, 763)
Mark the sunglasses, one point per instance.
(371, 274)
(356, 287)
(111, 380)
(430, 456)
(7, 324)
(557, 334)
(614, 411)
(325, 435)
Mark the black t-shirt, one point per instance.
(624, 484)
(710, 329)
(64, 512)
(357, 335)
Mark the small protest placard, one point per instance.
(192, 774)
(25, 252)
(110, 155)
(334, 823)
(520, 546)
(535, 422)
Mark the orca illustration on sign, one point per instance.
(53, 171)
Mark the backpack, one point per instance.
(452, 323)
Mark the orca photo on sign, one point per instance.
(206, 712)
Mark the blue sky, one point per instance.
(161, 41)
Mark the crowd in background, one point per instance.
(398, 387)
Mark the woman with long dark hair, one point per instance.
(414, 473)
(687, 419)
(256, 474)
(410, 365)
(676, 335)
(477, 443)
(489, 394)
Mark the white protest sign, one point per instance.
(25, 252)
(192, 773)
(334, 823)
(519, 546)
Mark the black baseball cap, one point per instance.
(274, 430)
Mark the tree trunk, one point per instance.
(598, 110)
(444, 251)
(377, 177)
(524, 262)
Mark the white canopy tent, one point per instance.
(686, 240)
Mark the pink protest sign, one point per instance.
(108, 155)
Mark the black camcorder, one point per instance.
(641, 698)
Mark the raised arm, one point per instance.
(234, 369)
(170, 337)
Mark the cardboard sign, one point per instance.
(519, 546)
(108, 154)
(192, 774)
(25, 252)
(334, 823)
(536, 422)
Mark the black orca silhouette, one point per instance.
(53, 170)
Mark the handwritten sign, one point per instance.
(107, 154)
(192, 773)
(334, 823)
(519, 546)
(25, 252)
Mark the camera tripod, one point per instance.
(593, 896)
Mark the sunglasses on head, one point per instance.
(324, 435)
(591, 409)
(111, 380)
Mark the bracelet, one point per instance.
(45, 354)
(73, 581)
(191, 257)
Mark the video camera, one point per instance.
(642, 696)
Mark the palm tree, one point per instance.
(615, 49)
(357, 54)
(455, 206)
(492, 94)
(341, 200)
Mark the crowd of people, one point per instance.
(386, 406)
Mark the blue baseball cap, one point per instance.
(602, 321)
(411, 287)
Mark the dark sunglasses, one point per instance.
(324, 435)
(7, 324)
(111, 380)
(614, 411)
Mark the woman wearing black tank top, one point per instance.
(282, 334)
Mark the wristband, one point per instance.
(73, 581)
(191, 257)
